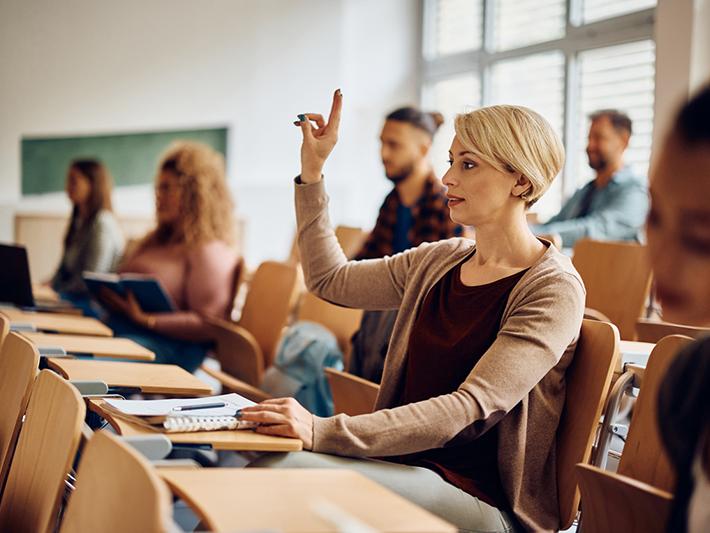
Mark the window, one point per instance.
(594, 10)
(450, 97)
(523, 22)
(563, 58)
(459, 26)
(619, 77)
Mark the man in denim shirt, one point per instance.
(613, 206)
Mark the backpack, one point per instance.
(305, 350)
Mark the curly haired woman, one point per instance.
(188, 252)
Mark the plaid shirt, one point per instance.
(431, 221)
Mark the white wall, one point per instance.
(92, 66)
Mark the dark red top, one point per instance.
(454, 328)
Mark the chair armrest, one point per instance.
(236, 385)
(593, 314)
(237, 351)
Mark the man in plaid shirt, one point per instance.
(415, 211)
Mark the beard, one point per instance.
(400, 174)
(598, 163)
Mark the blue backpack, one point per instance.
(305, 350)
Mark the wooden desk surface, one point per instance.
(61, 323)
(98, 346)
(230, 499)
(42, 292)
(235, 440)
(150, 378)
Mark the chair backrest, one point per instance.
(618, 503)
(4, 328)
(644, 457)
(617, 276)
(587, 383)
(341, 321)
(352, 394)
(238, 276)
(45, 451)
(116, 490)
(267, 305)
(18, 367)
(649, 330)
(351, 239)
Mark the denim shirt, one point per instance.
(616, 212)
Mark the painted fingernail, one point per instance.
(238, 414)
(339, 93)
(296, 122)
(302, 118)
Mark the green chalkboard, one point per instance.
(131, 158)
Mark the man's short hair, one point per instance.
(619, 120)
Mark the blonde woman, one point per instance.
(473, 384)
(188, 252)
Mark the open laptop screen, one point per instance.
(15, 283)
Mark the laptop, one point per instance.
(15, 282)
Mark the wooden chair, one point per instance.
(246, 348)
(350, 238)
(644, 457)
(587, 382)
(645, 478)
(45, 451)
(4, 329)
(617, 276)
(116, 490)
(654, 330)
(352, 394)
(618, 503)
(343, 322)
(18, 367)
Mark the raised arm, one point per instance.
(372, 284)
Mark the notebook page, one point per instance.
(233, 403)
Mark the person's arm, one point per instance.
(208, 287)
(370, 284)
(619, 219)
(544, 325)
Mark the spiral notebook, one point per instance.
(163, 415)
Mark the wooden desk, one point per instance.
(230, 499)
(61, 323)
(150, 379)
(236, 440)
(42, 292)
(97, 346)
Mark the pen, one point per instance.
(199, 406)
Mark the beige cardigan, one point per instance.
(518, 383)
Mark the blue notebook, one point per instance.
(150, 294)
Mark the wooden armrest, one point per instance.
(593, 314)
(237, 351)
(236, 385)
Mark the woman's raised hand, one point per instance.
(318, 141)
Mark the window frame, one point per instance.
(579, 37)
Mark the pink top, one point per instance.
(200, 281)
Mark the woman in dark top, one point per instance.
(678, 230)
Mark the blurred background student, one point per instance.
(93, 240)
(678, 230)
(188, 252)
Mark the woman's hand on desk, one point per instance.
(282, 417)
(318, 141)
(128, 306)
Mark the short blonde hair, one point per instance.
(514, 138)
